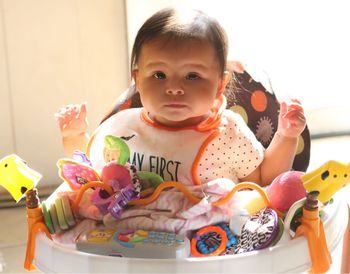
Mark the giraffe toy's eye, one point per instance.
(325, 175)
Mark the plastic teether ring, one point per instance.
(209, 229)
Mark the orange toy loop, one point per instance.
(205, 230)
(88, 185)
(195, 199)
(241, 186)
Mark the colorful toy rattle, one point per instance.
(212, 240)
(115, 185)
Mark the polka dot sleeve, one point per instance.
(249, 152)
(234, 154)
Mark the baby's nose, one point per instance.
(177, 91)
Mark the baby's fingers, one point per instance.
(296, 101)
(62, 121)
(294, 113)
(295, 106)
(59, 117)
(69, 110)
(82, 111)
(296, 121)
(69, 113)
(283, 108)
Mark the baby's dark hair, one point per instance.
(169, 23)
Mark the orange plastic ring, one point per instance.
(205, 230)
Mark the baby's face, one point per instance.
(178, 81)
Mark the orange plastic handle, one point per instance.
(194, 199)
(312, 227)
(145, 201)
(35, 225)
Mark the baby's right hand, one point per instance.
(72, 120)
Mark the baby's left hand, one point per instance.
(291, 119)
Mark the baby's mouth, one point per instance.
(175, 105)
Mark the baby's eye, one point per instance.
(192, 76)
(159, 75)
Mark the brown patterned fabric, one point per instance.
(259, 107)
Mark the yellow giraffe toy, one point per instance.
(327, 179)
(19, 180)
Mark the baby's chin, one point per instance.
(179, 122)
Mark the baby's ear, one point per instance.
(224, 81)
(135, 74)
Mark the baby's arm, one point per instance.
(279, 156)
(72, 121)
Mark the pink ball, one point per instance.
(286, 189)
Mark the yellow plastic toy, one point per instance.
(327, 179)
(19, 180)
(17, 177)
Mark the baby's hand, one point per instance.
(291, 120)
(72, 120)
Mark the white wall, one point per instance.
(6, 127)
(55, 52)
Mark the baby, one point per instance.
(183, 131)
